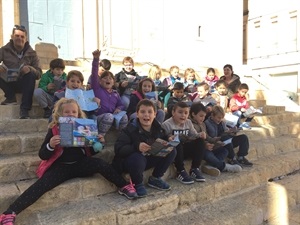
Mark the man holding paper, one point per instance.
(18, 55)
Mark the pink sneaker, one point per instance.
(8, 219)
(129, 191)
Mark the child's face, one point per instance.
(74, 83)
(128, 66)
(70, 110)
(180, 115)
(211, 75)
(57, 72)
(190, 77)
(221, 89)
(174, 73)
(107, 82)
(146, 87)
(201, 91)
(100, 71)
(146, 115)
(178, 93)
(242, 92)
(157, 76)
(199, 117)
(217, 118)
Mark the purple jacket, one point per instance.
(109, 101)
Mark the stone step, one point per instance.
(8, 112)
(23, 126)
(113, 209)
(270, 202)
(275, 119)
(22, 166)
(257, 103)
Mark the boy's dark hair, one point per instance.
(179, 105)
(205, 85)
(139, 88)
(75, 73)
(105, 64)
(196, 108)
(57, 63)
(107, 73)
(243, 86)
(220, 82)
(145, 102)
(178, 86)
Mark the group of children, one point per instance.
(195, 120)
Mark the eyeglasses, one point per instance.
(20, 27)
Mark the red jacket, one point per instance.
(237, 102)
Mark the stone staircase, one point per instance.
(228, 199)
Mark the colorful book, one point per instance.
(85, 99)
(159, 148)
(10, 74)
(77, 132)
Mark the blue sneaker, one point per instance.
(245, 125)
(140, 190)
(196, 175)
(184, 178)
(158, 183)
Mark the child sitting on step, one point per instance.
(64, 163)
(111, 103)
(133, 145)
(216, 128)
(191, 143)
(215, 153)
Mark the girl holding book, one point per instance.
(63, 163)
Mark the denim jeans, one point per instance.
(216, 158)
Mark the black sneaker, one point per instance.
(9, 101)
(196, 175)
(245, 162)
(184, 178)
(233, 161)
(24, 114)
(158, 183)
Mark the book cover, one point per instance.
(11, 74)
(85, 99)
(231, 120)
(158, 148)
(77, 132)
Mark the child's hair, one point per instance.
(187, 71)
(220, 82)
(243, 86)
(105, 64)
(217, 110)
(204, 85)
(179, 105)
(128, 59)
(57, 63)
(178, 86)
(145, 102)
(139, 88)
(58, 109)
(210, 70)
(173, 68)
(155, 69)
(75, 73)
(197, 107)
(107, 73)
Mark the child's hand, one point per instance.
(96, 54)
(88, 87)
(117, 111)
(97, 100)
(143, 147)
(209, 146)
(243, 110)
(51, 86)
(171, 138)
(55, 140)
(101, 138)
(208, 109)
(159, 105)
(124, 84)
(202, 135)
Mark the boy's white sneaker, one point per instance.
(232, 168)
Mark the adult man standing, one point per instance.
(17, 53)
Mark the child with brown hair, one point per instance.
(220, 95)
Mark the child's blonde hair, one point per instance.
(155, 69)
(58, 109)
(173, 68)
(187, 71)
(217, 110)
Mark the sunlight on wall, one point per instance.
(8, 19)
(278, 205)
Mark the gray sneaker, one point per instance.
(232, 168)
(210, 170)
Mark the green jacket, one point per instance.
(48, 78)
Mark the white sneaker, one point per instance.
(232, 168)
(210, 170)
